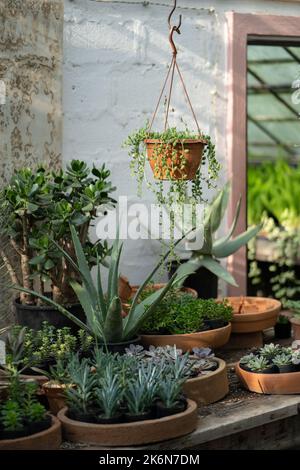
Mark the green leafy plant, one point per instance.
(294, 306)
(184, 314)
(104, 320)
(282, 359)
(213, 249)
(11, 416)
(168, 140)
(39, 206)
(81, 396)
(283, 320)
(258, 364)
(170, 391)
(109, 393)
(269, 351)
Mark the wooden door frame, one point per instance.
(242, 28)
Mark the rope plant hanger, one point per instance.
(174, 155)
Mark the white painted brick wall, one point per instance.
(115, 59)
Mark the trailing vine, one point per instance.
(169, 163)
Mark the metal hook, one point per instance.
(174, 29)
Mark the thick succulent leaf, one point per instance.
(186, 269)
(113, 275)
(218, 207)
(229, 247)
(144, 309)
(83, 265)
(233, 225)
(101, 298)
(94, 317)
(113, 326)
(216, 268)
(58, 307)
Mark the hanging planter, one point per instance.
(174, 155)
(179, 161)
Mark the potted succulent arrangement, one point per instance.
(294, 307)
(24, 422)
(37, 209)
(204, 262)
(273, 369)
(120, 402)
(206, 375)
(186, 322)
(283, 327)
(104, 316)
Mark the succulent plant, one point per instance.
(296, 357)
(258, 364)
(213, 249)
(282, 359)
(203, 353)
(104, 319)
(269, 351)
(108, 394)
(170, 391)
(247, 358)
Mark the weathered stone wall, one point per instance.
(31, 34)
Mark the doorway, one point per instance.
(247, 31)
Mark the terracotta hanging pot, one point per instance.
(49, 439)
(208, 388)
(129, 434)
(186, 342)
(165, 158)
(272, 384)
(252, 314)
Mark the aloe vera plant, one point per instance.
(103, 311)
(214, 249)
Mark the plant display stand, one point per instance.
(208, 388)
(245, 340)
(136, 433)
(49, 439)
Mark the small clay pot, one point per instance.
(162, 410)
(277, 384)
(191, 150)
(55, 394)
(296, 327)
(214, 324)
(120, 347)
(284, 369)
(283, 330)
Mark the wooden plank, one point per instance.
(260, 412)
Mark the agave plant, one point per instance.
(103, 311)
(213, 249)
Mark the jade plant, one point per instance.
(213, 249)
(103, 311)
(39, 206)
(178, 189)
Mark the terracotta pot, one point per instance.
(129, 434)
(49, 439)
(208, 388)
(186, 342)
(296, 327)
(55, 394)
(193, 158)
(257, 313)
(272, 384)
